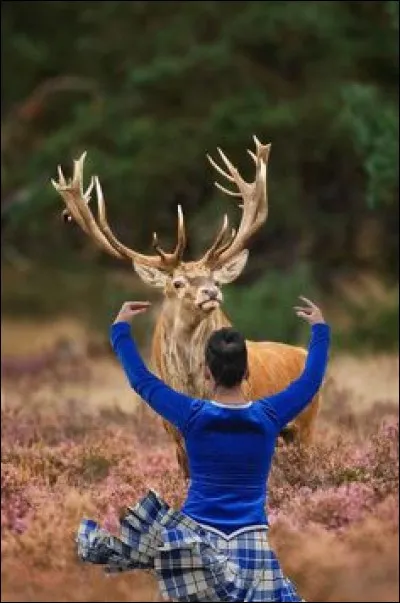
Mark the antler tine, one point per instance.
(65, 214)
(262, 150)
(68, 191)
(228, 242)
(105, 230)
(166, 261)
(181, 238)
(218, 239)
(219, 169)
(81, 202)
(252, 155)
(77, 177)
(226, 190)
(254, 203)
(61, 176)
(229, 165)
(254, 206)
(233, 175)
(77, 203)
(175, 257)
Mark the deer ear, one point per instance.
(232, 269)
(151, 276)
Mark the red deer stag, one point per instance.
(191, 309)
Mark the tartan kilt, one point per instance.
(190, 562)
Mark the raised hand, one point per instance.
(130, 309)
(309, 312)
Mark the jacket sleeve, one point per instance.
(286, 405)
(169, 404)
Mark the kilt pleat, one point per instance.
(190, 562)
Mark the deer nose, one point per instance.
(211, 292)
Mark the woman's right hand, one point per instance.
(131, 309)
(309, 312)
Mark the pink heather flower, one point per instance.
(110, 521)
(19, 525)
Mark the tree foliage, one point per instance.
(149, 87)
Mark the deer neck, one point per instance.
(181, 347)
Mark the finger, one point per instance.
(138, 311)
(135, 305)
(308, 302)
(302, 309)
(301, 314)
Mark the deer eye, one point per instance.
(179, 283)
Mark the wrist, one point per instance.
(319, 326)
(121, 319)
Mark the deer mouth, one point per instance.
(209, 304)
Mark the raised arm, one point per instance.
(286, 405)
(171, 405)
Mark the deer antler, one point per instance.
(77, 202)
(254, 206)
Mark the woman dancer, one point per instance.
(215, 548)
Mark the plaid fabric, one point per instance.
(190, 562)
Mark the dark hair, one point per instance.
(226, 357)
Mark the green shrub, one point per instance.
(264, 310)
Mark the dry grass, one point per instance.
(371, 378)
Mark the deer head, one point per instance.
(193, 287)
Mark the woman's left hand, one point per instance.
(130, 309)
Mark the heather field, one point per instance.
(75, 442)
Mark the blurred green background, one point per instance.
(148, 88)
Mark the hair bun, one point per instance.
(230, 337)
(230, 344)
